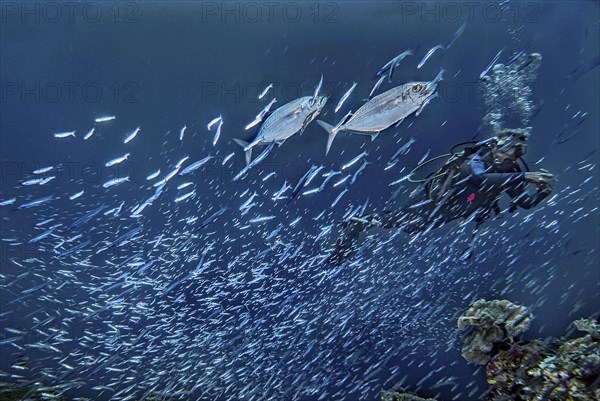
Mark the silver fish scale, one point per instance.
(288, 119)
(386, 109)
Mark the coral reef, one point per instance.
(551, 370)
(490, 323)
(589, 326)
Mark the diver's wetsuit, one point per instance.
(477, 188)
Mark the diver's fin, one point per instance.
(329, 128)
(348, 240)
(245, 145)
(370, 221)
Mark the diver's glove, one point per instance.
(539, 178)
(545, 182)
(547, 188)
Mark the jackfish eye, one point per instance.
(417, 88)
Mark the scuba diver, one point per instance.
(469, 186)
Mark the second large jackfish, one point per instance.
(384, 110)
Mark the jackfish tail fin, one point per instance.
(329, 128)
(247, 151)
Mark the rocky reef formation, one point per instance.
(553, 369)
(489, 323)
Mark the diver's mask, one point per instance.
(512, 142)
(517, 149)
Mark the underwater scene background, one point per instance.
(215, 286)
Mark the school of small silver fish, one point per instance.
(149, 297)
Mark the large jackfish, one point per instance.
(287, 120)
(384, 110)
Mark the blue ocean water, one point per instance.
(241, 305)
